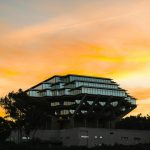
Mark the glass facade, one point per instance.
(63, 92)
(98, 91)
(97, 85)
(34, 93)
(73, 85)
(54, 79)
(67, 103)
(46, 86)
(64, 112)
(39, 87)
(89, 79)
(131, 100)
(55, 104)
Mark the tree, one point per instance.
(5, 129)
(28, 113)
(135, 122)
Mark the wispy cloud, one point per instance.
(104, 38)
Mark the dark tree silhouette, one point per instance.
(26, 112)
(5, 129)
(138, 122)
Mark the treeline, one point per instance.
(138, 122)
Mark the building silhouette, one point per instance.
(84, 101)
(84, 111)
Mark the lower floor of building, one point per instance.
(88, 137)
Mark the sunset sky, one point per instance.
(105, 38)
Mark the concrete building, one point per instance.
(89, 137)
(83, 101)
(85, 110)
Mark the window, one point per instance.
(114, 103)
(34, 93)
(83, 111)
(38, 87)
(137, 138)
(84, 136)
(49, 93)
(77, 101)
(95, 137)
(133, 101)
(102, 103)
(72, 111)
(123, 109)
(64, 112)
(55, 104)
(124, 138)
(90, 102)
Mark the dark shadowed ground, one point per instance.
(47, 146)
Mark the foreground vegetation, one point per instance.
(23, 113)
(138, 122)
(46, 146)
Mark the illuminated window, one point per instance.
(102, 103)
(84, 111)
(77, 101)
(114, 103)
(72, 111)
(95, 136)
(90, 102)
(84, 136)
(123, 109)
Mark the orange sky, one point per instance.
(111, 38)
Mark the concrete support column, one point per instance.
(85, 123)
(72, 123)
(97, 123)
(55, 124)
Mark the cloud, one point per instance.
(141, 93)
(108, 38)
